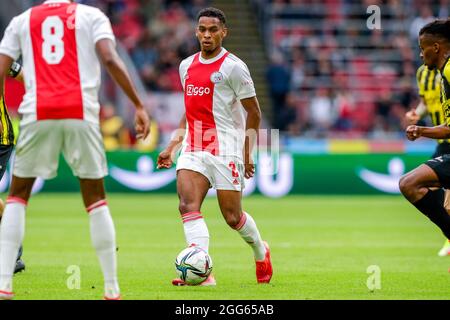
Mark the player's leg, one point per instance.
(243, 223)
(416, 184)
(12, 231)
(5, 154)
(441, 149)
(193, 183)
(445, 250)
(102, 232)
(37, 155)
(84, 152)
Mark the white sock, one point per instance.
(103, 237)
(195, 230)
(11, 236)
(249, 232)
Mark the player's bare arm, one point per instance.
(414, 115)
(166, 156)
(116, 68)
(438, 132)
(251, 105)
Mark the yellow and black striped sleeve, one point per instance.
(445, 92)
(419, 74)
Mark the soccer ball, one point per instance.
(193, 265)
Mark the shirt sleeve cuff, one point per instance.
(247, 95)
(10, 53)
(105, 36)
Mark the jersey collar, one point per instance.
(212, 60)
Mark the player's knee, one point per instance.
(232, 219)
(407, 186)
(185, 207)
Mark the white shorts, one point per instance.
(223, 173)
(40, 144)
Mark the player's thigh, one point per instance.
(192, 187)
(439, 175)
(38, 148)
(83, 149)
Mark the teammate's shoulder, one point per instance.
(90, 10)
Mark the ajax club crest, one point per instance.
(216, 77)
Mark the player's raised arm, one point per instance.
(116, 68)
(438, 132)
(414, 115)
(251, 105)
(165, 158)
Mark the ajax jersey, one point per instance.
(61, 70)
(215, 117)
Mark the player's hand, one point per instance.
(164, 160)
(412, 117)
(142, 124)
(413, 132)
(249, 167)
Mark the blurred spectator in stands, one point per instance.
(297, 70)
(115, 134)
(345, 106)
(144, 56)
(278, 77)
(443, 9)
(322, 111)
(426, 16)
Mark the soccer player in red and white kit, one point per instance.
(217, 89)
(61, 43)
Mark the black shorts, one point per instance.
(441, 165)
(441, 149)
(5, 154)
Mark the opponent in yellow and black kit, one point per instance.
(442, 165)
(429, 83)
(7, 145)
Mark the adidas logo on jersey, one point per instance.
(191, 90)
(236, 182)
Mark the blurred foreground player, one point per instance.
(217, 90)
(61, 43)
(419, 185)
(429, 84)
(7, 145)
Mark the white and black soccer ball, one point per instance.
(193, 265)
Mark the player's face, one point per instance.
(429, 50)
(210, 33)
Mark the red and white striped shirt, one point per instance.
(61, 70)
(215, 117)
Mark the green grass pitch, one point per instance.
(321, 248)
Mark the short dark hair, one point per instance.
(439, 28)
(213, 13)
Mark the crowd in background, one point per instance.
(332, 75)
(329, 74)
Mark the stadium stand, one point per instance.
(319, 70)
